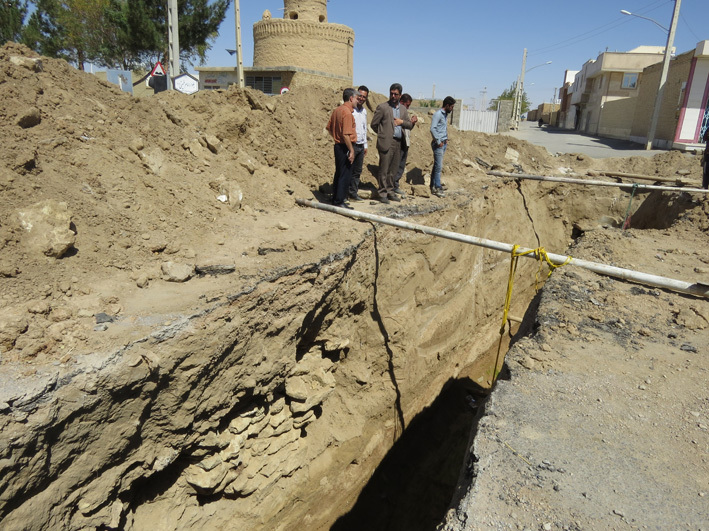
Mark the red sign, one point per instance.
(157, 70)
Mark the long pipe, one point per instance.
(641, 177)
(699, 289)
(591, 182)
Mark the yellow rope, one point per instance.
(541, 255)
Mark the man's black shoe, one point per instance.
(399, 191)
(394, 197)
(384, 199)
(356, 197)
(344, 205)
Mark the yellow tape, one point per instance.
(541, 255)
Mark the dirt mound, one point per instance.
(149, 189)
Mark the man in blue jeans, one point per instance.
(439, 132)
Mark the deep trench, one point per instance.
(422, 476)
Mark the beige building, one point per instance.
(604, 94)
(300, 49)
(684, 113)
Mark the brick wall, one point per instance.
(671, 100)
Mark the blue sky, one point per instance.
(473, 50)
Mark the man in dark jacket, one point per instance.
(390, 118)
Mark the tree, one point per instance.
(121, 33)
(509, 94)
(75, 30)
(142, 29)
(12, 15)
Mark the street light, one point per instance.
(520, 84)
(665, 69)
(646, 18)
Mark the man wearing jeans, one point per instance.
(439, 132)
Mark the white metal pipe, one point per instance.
(592, 182)
(699, 289)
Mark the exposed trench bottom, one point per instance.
(414, 485)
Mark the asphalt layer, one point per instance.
(557, 140)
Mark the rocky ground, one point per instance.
(159, 286)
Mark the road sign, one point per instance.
(157, 70)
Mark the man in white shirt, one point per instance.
(360, 147)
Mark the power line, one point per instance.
(594, 31)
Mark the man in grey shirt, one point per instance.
(439, 132)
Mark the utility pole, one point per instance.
(239, 62)
(519, 91)
(663, 76)
(173, 37)
(433, 94)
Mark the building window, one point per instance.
(630, 81)
(266, 84)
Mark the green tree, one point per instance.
(75, 30)
(12, 15)
(122, 33)
(509, 94)
(143, 30)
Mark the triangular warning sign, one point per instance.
(157, 70)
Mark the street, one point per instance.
(565, 141)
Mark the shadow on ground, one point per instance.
(415, 483)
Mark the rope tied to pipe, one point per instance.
(542, 256)
(626, 221)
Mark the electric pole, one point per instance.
(239, 62)
(173, 37)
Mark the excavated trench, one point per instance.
(336, 395)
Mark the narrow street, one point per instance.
(557, 140)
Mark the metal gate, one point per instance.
(481, 121)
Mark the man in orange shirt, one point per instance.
(342, 128)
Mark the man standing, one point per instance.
(406, 102)
(342, 128)
(439, 132)
(389, 120)
(360, 147)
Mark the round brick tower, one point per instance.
(306, 10)
(303, 38)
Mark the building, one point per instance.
(604, 93)
(300, 49)
(684, 113)
(567, 113)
